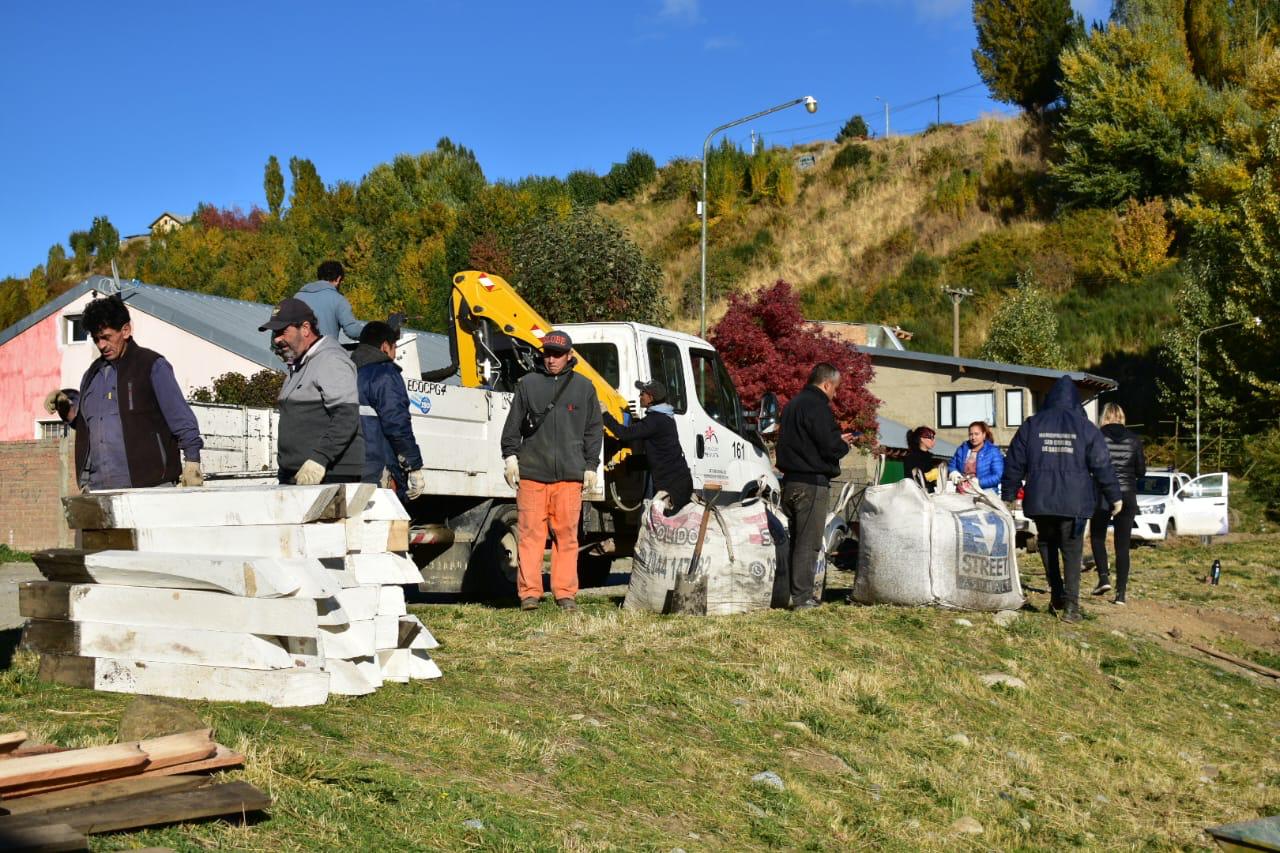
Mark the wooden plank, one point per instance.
(72, 764)
(230, 799)
(391, 601)
(382, 569)
(230, 507)
(356, 639)
(180, 748)
(246, 575)
(45, 838)
(282, 688)
(394, 664)
(386, 630)
(186, 609)
(375, 537)
(361, 602)
(1238, 661)
(101, 792)
(322, 539)
(221, 759)
(168, 645)
(34, 749)
(11, 741)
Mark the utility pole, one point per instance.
(886, 115)
(957, 295)
(938, 98)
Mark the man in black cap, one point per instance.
(320, 440)
(657, 430)
(551, 447)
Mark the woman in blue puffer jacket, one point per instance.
(979, 457)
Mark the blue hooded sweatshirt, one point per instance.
(1060, 455)
(332, 310)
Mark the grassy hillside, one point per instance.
(617, 730)
(876, 241)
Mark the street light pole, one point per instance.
(957, 295)
(886, 115)
(1257, 321)
(810, 104)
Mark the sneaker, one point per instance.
(1102, 588)
(1119, 599)
(566, 604)
(805, 605)
(528, 604)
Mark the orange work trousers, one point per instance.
(557, 505)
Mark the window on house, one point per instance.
(75, 331)
(51, 429)
(961, 408)
(666, 366)
(1013, 414)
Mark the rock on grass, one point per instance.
(770, 779)
(991, 679)
(967, 826)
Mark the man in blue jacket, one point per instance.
(332, 310)
(1060, 455)
(384, 413)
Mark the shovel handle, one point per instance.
(714, 489)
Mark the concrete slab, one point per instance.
(12, 574)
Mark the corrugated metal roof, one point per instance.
(229, 323)
(1088, 379)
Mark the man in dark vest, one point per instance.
(129, 415)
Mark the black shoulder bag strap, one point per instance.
(533, 420)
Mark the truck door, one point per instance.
(1200, 507)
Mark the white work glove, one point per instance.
(55, 397)
(1116, 506)
(511, 471)
(589, 481)
(310, 474)
(191, 474)
(417, 483)
(954, 477)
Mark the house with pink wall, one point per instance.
(202, 336)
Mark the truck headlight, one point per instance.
(1154, 509)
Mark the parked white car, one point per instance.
(1172, 503)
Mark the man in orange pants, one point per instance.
(551, 446)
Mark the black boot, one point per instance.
(1072, 613)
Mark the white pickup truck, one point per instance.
(1171, 503)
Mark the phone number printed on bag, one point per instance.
(983, 563)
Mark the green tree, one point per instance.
(260, 390)
(585, 269)
(1019, 43)
(1025, 329)
(82, 248)
(273, 185)
(1134, 118)
(105, 237)
(56, 266)
(854, 129)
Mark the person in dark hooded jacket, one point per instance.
(384, 413)
(1064, 462)
(1130, 464)
(657, 429)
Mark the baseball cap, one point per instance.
(556, 341)
(656, 389)
(289, 312)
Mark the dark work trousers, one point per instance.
(1124, 531)
(806, 507)
(1060, 535)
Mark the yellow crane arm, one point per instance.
(479, 297)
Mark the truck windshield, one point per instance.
(1153, 485)
(715, 389)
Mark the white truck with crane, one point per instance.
(463, 531)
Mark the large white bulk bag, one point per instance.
(952, 550)
(738, 556)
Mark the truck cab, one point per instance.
(721, 447)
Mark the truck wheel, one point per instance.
(494, 563)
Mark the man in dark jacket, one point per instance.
(389, 444)
(319, 439)
(810, 447)
(1063, 459)
(129, 415)
(551, 447)
(657, 429)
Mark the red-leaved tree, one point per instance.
(767, 346)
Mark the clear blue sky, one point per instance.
(131, 108)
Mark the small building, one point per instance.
(867, 334)
(166, 222)
(202, 336)
(948, 393)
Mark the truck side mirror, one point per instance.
(767, 417)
